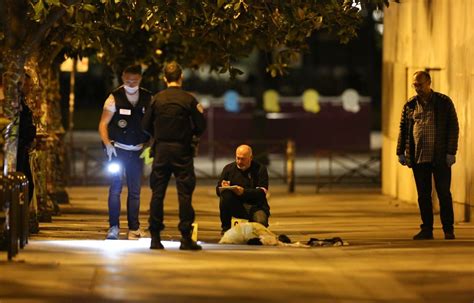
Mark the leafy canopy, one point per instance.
(216, 32)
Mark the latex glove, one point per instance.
(147, 159)
(402, 160)
(110, 150)
(450, 159)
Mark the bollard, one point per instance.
(13, 212)
(3, 212)
(290, 165)
(12, 198)
(23, 215)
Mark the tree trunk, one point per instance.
(45, 138)
(56, 156)
(12, 76)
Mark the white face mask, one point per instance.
(130, 90)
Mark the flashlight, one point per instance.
(113, 167)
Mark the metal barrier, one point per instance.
(290, 165)
(332, 167)
(86, 163)
(13, 213)
(362, 167)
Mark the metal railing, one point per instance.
(354, 167)
(87, 163)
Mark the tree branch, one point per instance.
(35, 37)
(3, 12)
(13, 22)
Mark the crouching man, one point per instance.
(242, 189)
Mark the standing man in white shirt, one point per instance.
(123, 137)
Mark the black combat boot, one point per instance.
(449, 235)
(156, 241)
(188, 244)
(424, 235)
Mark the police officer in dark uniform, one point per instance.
(123, 137)
(174, 118)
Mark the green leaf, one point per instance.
(274, 73)
(39, 9)
(301, 13)
(235, 72)
(70, 11)
(54, 2)
(237, 6)
(220, 3)
(89, 7)
(118, 28)
(224, 69)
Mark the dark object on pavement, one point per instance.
(284, 238)
(336, 241)
(254, 241)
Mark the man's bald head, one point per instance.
(422, 83)
(243, 156)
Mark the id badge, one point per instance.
(125, 112)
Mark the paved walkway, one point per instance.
(70, 262)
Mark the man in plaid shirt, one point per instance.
(427, 143)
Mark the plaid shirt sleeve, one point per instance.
(403, 132)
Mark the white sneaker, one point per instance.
(135, 234)
(113, 233)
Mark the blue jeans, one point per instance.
(132, 165)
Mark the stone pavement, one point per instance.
(70, 262)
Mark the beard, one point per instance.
(242, 167)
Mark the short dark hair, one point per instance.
(425, 75)
(133, 69)
(172, 71)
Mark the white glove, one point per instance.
(450, 159)
(402, 160)
(110, 150)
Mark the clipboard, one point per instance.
(230, 187)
